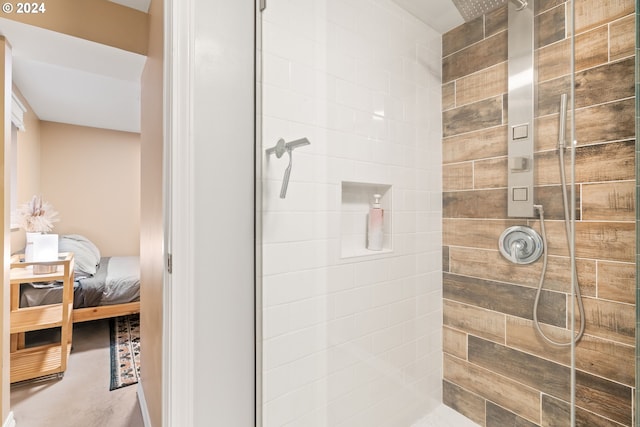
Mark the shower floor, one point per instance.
(443, 416)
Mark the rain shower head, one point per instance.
(471, 9)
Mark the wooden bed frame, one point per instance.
(105, 311)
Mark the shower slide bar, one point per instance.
(279, 149)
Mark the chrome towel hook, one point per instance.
(279, 149)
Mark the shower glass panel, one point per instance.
(352, 312)
(432, 325)
(509, 300)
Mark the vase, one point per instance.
(42, 248)
(28, 249)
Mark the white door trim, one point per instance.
(178, 335)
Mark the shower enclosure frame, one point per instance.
(636, 413)
(258, 200)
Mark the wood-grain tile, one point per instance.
(496, 21)
(505, 108)
(593, 393)
(457, 176)
(606, 359)
(547, 132)
(617, 281)
(550, 26)
(619, 156)
(462, 36)
(472, 117)
(454, 342)
(593, 355)
(604, 397)
(605, 171)
(550, 197)
(605, 83)
(610, 320)
(549, 92)
(547, 168)
(484, 54)
(474, 233)
(614, 241)
(592, 49)
(594, 163)
(468, 404)
(607, 122)
(502, 391)
(521, 335)
(622, 39)
(593, 13)
(535, 372)
(448, 96)
(593, 86)
(484, 84)
(553, 61)
(490, 173)
(544, 5)
(611, 201)
(556, 413)
(475, 204)
(490, 265)
(481, 144)
(445, 258)
(474, 320)
(505, 298)
(500, 417)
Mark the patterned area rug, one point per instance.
(125, 351)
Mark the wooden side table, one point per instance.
(48, 359)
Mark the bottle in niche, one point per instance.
(374, 229)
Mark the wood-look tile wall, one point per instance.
(497, 370)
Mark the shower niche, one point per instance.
(357, 198)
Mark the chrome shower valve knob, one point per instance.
(521, 244)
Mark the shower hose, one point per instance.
(575, 283)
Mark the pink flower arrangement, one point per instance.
(37, 216)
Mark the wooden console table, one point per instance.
(48, 359)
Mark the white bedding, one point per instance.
(116, 281)
(122, 284)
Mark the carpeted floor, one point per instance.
(82, 398)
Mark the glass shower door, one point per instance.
(434, 316)
(352, 331)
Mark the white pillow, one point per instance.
(86, 254)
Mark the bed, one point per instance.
(103, 286)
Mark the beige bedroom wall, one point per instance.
(152, 225)
(28, 182)
(92, 178)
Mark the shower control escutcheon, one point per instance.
(521, 244)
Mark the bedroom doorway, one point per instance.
(58, 140)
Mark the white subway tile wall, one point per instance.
(351, 341)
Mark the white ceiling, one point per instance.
(142, 5)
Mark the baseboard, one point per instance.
(10, 421)
(143, 406)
